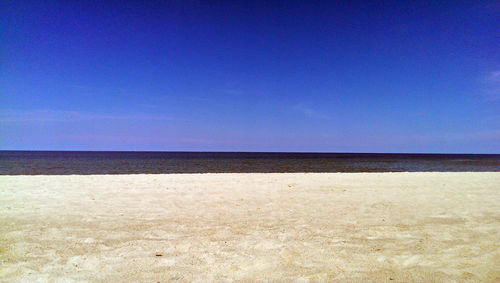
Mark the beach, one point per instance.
(383, 227)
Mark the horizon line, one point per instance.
(275, 152)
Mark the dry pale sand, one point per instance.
(416, 227)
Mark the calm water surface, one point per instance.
(87, 162)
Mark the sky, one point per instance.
(309, 76)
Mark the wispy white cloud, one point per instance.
(309, 112)
(44, 115)
(478, 136)
(492, 86)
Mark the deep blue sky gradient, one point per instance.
(250, 76)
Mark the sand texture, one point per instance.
(382, 227)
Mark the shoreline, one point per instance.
(405, 226)
(253, 173)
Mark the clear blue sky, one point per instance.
(250, 76)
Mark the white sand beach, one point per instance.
(383, 227)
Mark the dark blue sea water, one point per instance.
(102, 162)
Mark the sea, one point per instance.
(115, 162)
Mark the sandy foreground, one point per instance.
(387, 227)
